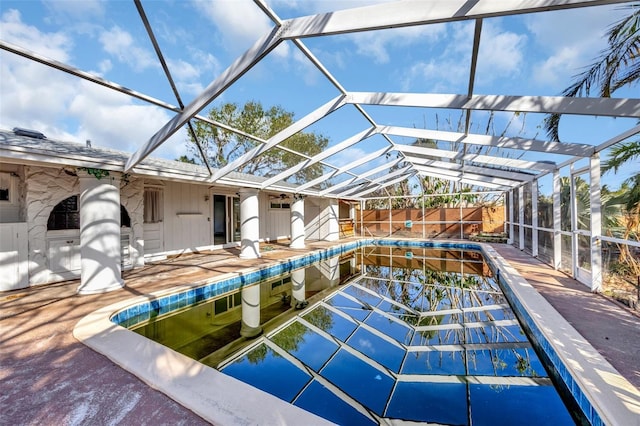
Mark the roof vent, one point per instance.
(28, 133)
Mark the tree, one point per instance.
(222, 146)
(616, 67)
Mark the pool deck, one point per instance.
(49, 377)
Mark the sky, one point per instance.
(534, 54)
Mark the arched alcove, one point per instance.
(66, 215)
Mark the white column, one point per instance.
(534, 218)
(297, 222)
(330, 223)
(596, 224)
(250, 311)
(249, 224)
(557, 226)
(99, 233)
(511, 219)
(298, 290)
(330, 270)
(521, 215)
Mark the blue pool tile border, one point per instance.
(144, 311)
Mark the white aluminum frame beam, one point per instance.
(488, 171)
(359, 137)
(509, 162)
(609, 107)
(361, 176)
(460, 175)
(419, 12)
(426, 151)
(296, 127)
(564, 148)
(400, 172)
(240, 66)
(373, 156)
(384, 185)
(437, 174)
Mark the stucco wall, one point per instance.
(45, 187)
(131, 197)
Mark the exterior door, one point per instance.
(226, 219)
(234, 214)
(219, 219)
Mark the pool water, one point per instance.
(382, 334)
(421, 335)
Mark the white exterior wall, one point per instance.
(131, 197)
(14, 267)
(274, 223)
(187, 219)
(321, 219)
(186, 214)
(46, 187)
(312, 218)
(13, 211)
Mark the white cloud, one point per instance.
(63, 107)
(240, 22)
(376, 44)
(79, 9)
(120, 44)
(111, 119)
(501, 53)
(569, 41)
(52, 45)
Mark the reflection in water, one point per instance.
(231, 320)
(426, 337)
(384, 334)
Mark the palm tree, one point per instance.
(616, 67)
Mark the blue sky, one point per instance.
(534, 54)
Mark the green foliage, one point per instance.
(186, 159)
(97, 173)
(223, 146)
(616, 67)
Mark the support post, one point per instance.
(557, 217)
(250, 326)
(511, 218)
(534, 218)
(297, 222)
(249, 224)
(521, 215)
(298, 290)
(596, 224)
(99, 232)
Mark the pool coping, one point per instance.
(602, 393)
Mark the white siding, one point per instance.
(186, 217)
(312, 218)
(274, 223)
(13, 256)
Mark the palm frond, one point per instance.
(615, 67)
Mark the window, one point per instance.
(279, 202)
(7, 191)
(66, 215)
(152, 205)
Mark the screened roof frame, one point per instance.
(485, 171)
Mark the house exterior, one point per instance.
(67, 211)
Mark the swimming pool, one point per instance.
(422, 335)
(595, 385)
